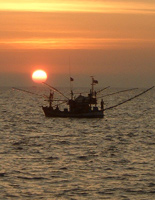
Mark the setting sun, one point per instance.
(39, 76)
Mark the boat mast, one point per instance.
(92, 90)
(71, 80)
(51, 98)
(93, 93)
(71, 87)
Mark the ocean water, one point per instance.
(52, 158)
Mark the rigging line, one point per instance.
(103, 89)
(128, 99)
(118, 92)
(56, 100)
(70, 74)
(54, 89)
(22, 90)
(59, 104)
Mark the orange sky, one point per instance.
(110, 38)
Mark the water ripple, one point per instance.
(45, 158)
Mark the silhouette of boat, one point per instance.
(79, 107)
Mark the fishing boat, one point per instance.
(79, 107)
(82, 106)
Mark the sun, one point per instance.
(39, 76)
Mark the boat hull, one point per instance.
(49, 112)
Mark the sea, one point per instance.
(76, 159)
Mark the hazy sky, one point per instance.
(112, 40)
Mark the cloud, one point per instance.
(138, 7)
(35, 30)
(76, 43)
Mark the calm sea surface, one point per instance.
(52, 158)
